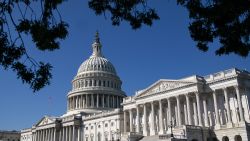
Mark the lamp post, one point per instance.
(118, 132)
(171, 129)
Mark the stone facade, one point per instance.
(9, 135)
(195, 108)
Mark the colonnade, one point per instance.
(157, 116)
(94, 101)
(48, 134)
(70, 133)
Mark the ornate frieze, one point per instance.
(163, 85)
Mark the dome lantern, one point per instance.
(97, 52)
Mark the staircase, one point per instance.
(151, 138)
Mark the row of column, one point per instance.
(48, 134)
(70, 133)
(189, 119)
(94, 101)
(100, 134)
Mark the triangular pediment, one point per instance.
(45, 120)
(163, 85)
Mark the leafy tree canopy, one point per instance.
(226, 20)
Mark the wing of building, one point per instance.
(195, 108)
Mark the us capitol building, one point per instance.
(195, 108)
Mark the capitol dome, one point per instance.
(96, 86)
(96, 63)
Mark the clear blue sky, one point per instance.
(140, 57)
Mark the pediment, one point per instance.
(45, 120)
(163, 85)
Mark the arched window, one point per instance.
(237, 138)
(225, 138)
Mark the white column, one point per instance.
(87, 101)
(66, 133)
(242, 118)
(80, 101)
(217, 125)
(63, 134)
(130, 120)
(145, 133)
(117, 102)
(76, 102)
(60, 135)
(73, 102)
(185, 113)
(179, 111)
(92, 101)
(113, 101)
(188, 110)
(229, 121)
(103, 101)
(195, 113)
(198, 107)
(161, 130)
(205, 112)
(83, 101)
(152, 132)
(79, 134)
(46, 134)
(137, 119)
(108, 101)
(125, 121)
(73, 133)
(97, 100)
(70, 133)
(169, 111)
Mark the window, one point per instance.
(92, 127)
(86, 128)
(112, 123)
(99, 126)
(106, 125)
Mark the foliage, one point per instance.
(136, 12)
(225, 20)
(21, 18)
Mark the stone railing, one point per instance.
(102, 114)
(222, 74)
(167, 136)
(128, 99)
(67, 118)
(101, 88)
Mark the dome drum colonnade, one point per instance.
(96, 85)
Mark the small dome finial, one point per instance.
(97, 39)
(96, 46)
